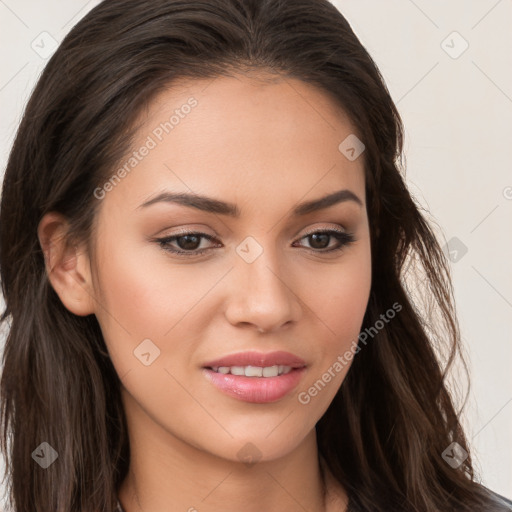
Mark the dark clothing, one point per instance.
(501, 498)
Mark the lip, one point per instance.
(253, 358)
(259, 390)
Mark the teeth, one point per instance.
(270, 371)
(254, 371)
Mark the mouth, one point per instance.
(253, 371)
(257, 360)
(254, 377)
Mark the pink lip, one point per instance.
(254, 358)
(256, 389)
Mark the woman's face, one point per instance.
(256, 289)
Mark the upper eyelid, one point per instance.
(310, 231)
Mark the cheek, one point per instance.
(144, 290)
(340, 303)
(140, 299)
(340, 297)
(347, 305)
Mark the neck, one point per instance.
(167, 473)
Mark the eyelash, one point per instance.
(344, 238)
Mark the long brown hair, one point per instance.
(385, 431)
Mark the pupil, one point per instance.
(194, 238)
(322, 236)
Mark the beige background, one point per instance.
(457, 110)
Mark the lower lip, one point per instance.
(260, 390)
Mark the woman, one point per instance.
(204, 243)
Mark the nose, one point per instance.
(262, 295)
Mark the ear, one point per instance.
(68, 267)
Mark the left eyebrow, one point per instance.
(211, 205)
(325, 202)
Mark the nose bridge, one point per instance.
(262, 296)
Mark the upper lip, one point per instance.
(260, 359)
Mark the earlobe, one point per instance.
(67, 266)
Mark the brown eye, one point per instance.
(319, 240)
(185, 243)
(188, 242)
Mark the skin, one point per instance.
(264, 144)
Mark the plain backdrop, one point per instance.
(448, 66)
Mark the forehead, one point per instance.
(238, 135)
